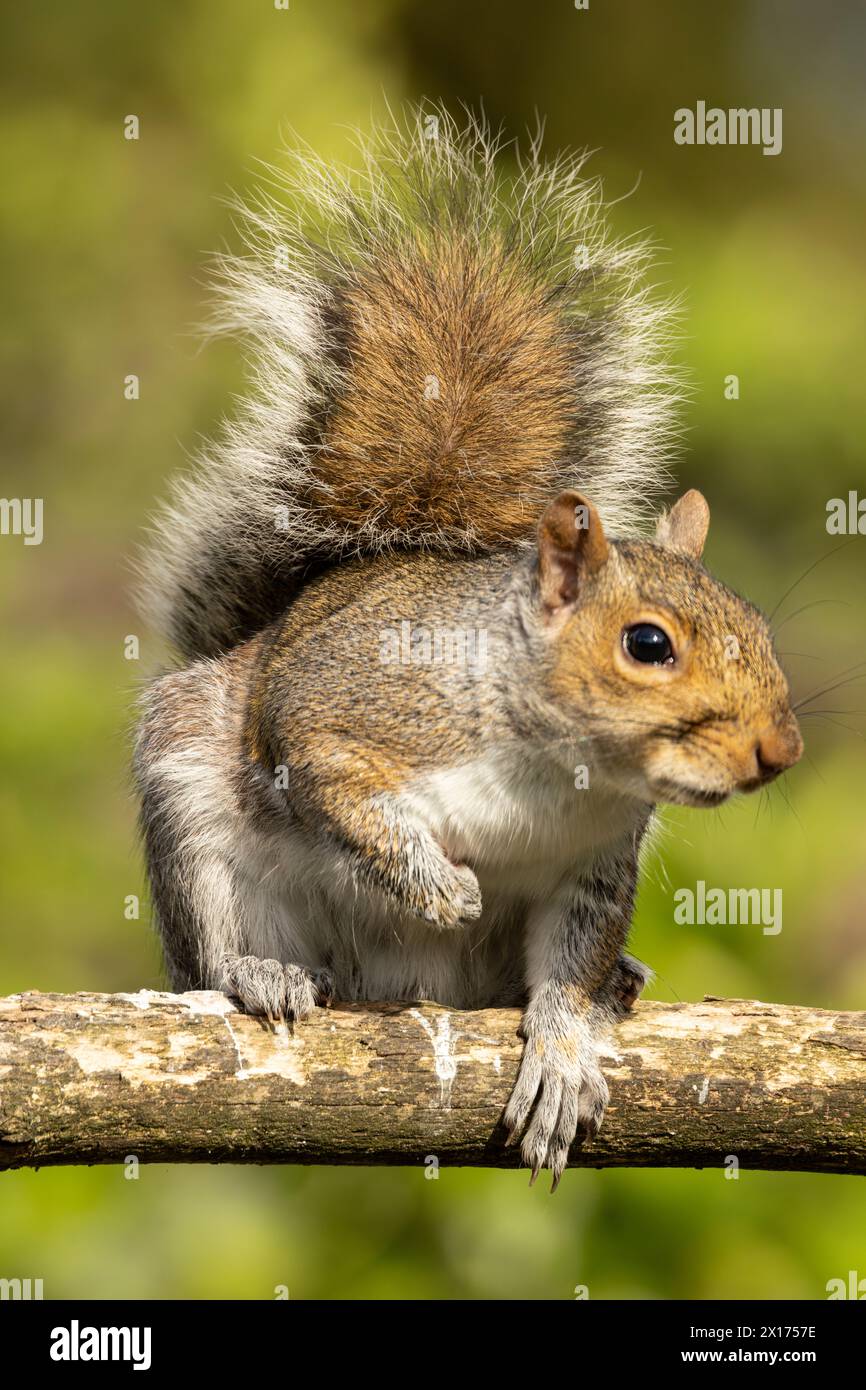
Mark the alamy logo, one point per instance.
(855, 1287)
(739, 125)
(20, 1289)
(76, 1343)
(434, 646)
(846, 516)
(22, 516)
(719, 907)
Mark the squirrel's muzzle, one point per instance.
(776, 749)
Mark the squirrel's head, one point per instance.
(671, 677)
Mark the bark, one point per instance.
(95, 1078)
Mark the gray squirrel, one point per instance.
(414, 589)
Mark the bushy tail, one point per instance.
(438, 346)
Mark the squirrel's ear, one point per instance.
(685, 526)
(571, 543)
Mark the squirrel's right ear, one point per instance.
(571, 544)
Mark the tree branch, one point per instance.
(93, 1078)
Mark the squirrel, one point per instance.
(437, 667)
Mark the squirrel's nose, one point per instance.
(776, 750)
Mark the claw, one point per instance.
(558, 1100)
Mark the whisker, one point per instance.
(807, 712)
(785, 794)
(758, 809)
(816, 603)
(837, 684)
(815, 768)
(822, 714)
(806, 572)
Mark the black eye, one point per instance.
(648, 644)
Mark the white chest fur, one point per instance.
(520, 820)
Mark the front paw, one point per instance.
(275, 991)
(453, 899)
(560, 1092)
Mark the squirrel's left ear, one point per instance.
(571, 545)
(685, 526)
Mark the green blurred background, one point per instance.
(103, 246)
